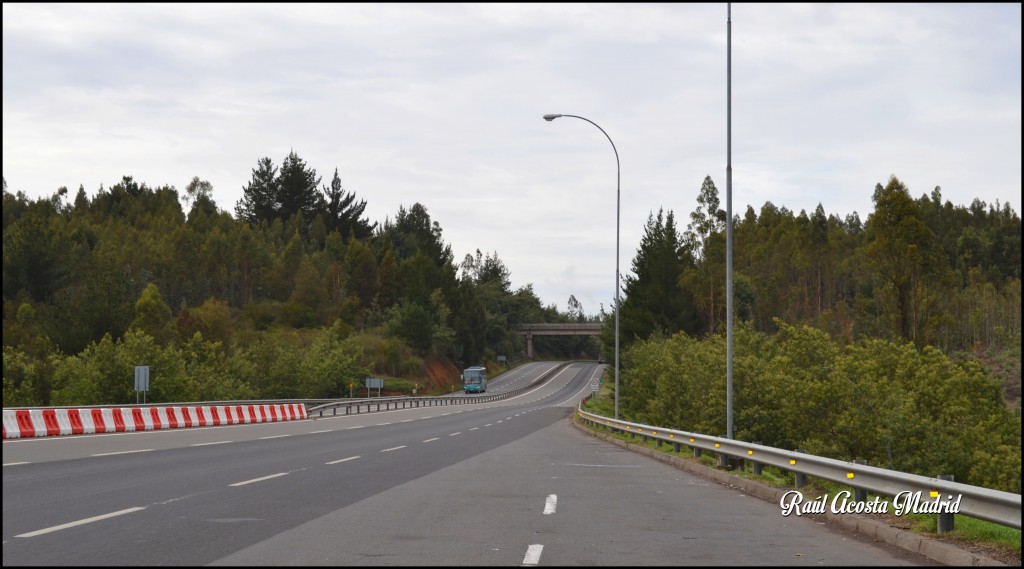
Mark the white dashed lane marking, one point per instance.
(533, 554)
(79, 522)
(123, 452)
(549, 504)
(342, 460)
(259, 479)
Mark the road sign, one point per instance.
(141, 382)
(595, 384)
(141, 378)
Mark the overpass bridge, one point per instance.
(531, 330)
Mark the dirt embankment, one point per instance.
(441, 374)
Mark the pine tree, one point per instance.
(297, 190)
(653, 302)
(259, 198)
(342, 213)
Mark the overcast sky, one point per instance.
(442, 104)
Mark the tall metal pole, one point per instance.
(728, 227)
(618, 209)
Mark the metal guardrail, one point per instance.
(357, 406)
(352, 406)
(1003, 508)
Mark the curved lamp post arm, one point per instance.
(618, 202)
(555, 116)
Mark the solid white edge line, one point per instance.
(79, 522)
(208, 444)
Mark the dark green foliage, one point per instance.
(152, 315)
(882, 401)
(343, 213)
(264, 305)
(414, 324)
(37, 254)
(652, 300)
(259, 200)
(297, 189)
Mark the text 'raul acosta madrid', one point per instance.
(906, 502)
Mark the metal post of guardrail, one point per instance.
(801, 478)
(945, 522)
(755, 464)
(723, 460)
(860, 494)
(675, 446)
(696, 452)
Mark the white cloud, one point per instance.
(441, 104)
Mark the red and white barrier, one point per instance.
(26, 423)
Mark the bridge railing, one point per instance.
(1003, 508)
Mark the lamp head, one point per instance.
(551, 117)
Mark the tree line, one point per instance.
(873, 340)
(82, 274)
(920, 270)
(299, 295)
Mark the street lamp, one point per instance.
(618, 194)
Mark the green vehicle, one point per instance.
(474, 379)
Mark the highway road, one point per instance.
(510, 483)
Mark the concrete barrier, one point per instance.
(26, 423)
